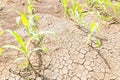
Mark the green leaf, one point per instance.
(31, 20)
(64, 4)
(2, 32)
(12, 47)
(24, 20)
(36, 18)
(117, 8)
(89, 38)
(44, 49)
(111, 5)
(34, 49)
(20, 41)
(92, 27)
(41, 43)
(1, 51)
(98, 43)
(30, 8)
(29, 40)
(30, 1)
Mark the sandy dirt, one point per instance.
(68, 57)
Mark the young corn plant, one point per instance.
(23, 48)
(65, 6)
(93, 28)
(101, 6)
(115, 7)
(75, 11)
(34, 37)
(30, 24)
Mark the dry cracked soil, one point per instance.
(68, 56)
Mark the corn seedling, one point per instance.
(1, 51)
(93, 28)
(30, 22)
(115, 7)
(101, 7)
(64, 4)
(34, 37)
(22, 48)
(74, 12)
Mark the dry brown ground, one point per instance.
(69, 57)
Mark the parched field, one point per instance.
(68, 56)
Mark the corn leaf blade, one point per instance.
(0, 51)
(20, 41)
(12, 47)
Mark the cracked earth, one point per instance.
(69, 57)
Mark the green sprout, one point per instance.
(1, 33)
(22, 48)
(97, 42)
(101, 7)
(93, 28)
(30, 22)
(64, 4)
(77, 10)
